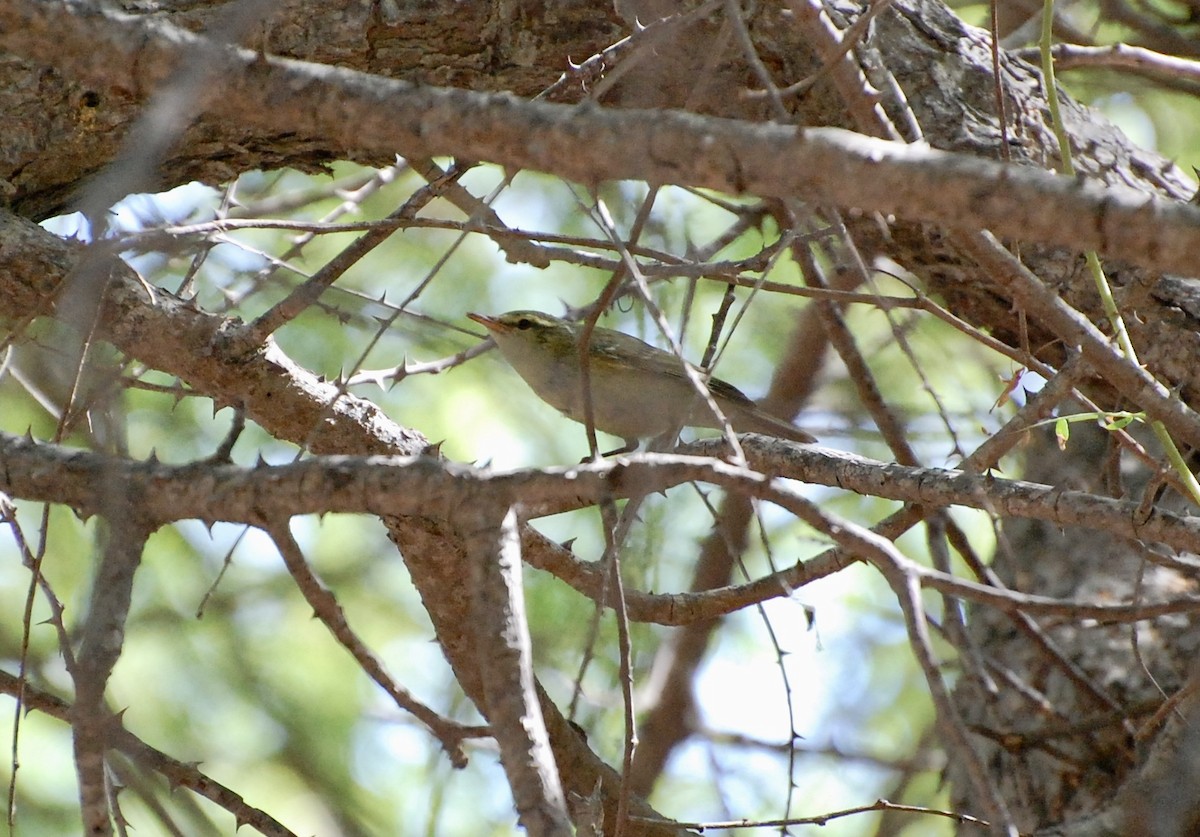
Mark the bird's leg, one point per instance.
(630, 445)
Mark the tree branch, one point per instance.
(589, 145)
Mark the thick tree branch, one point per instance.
(428, 487)
(435, 490)
(590, 145)
(177, 337)
(498, 618)
(100, 648)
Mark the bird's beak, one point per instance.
(490, 323)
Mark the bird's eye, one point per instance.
(524, 323)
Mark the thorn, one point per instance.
(569, 545)
(400, 372)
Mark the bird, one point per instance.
(637, 391)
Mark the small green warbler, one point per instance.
(638, 391)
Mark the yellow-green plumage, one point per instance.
(638, 390)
